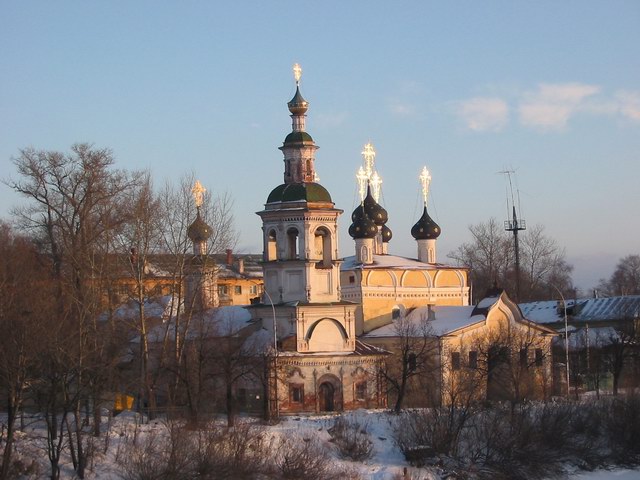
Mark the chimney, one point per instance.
(229, 257)
(241, 265)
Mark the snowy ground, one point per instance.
(387, 461)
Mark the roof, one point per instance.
(393, 261)
(164, 264)
(584, 309)
(295, 192)
(444, 319)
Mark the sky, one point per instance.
(547, 89)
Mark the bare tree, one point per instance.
(625, 280)
(414, 349)
(74, 206)
(490, 257)
(25, 297)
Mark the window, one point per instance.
(322, 244)
(296, 393)
(271, 246)
(473, 359)
(539, 357)
(455, 360)
(524, 357)
(361, 391)
(253, 289)
(395, 313)
(412, 361)
(237, 290)
(352, 279)
(223, 290)
(292, 244)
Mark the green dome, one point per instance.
(296, 192)
(297, 137)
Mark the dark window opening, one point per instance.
(361, 391)
(473, 359)
(524, 357)
(539, 357)
(296, 393)
(455, 360)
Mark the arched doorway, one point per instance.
(329, 394)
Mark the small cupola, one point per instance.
(374, 210)
(425, 228)
(362, 226)
(199, 231)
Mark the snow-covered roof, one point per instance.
(157, 307)
(583, 310)
(215, 322)
(595, 337)
(443, 320)
(392, 261)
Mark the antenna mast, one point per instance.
(514, 225)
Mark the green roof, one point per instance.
(298, 137)
(294, 192)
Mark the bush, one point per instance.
(351, 439)
(298, 458)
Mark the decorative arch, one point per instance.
(418, 278)
(326, 334)
(381, 278)
(444, 278)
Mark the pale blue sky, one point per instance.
(550, 89)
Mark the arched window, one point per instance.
(292, 244)
(365, 254)
(397, 312)
(271, 246)
(322, 247)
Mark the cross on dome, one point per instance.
(297, 72)
(367, 174)
(425, 181)
(198, 193)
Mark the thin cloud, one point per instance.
(402, 109)
(483, 114)
(629, 104)
(552, 105)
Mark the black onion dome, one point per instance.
(298, 105)
(296, 192)
(358, 213)
(374, 210)
(363, 227)
(387, 234)
(425, 228)
(199, 231)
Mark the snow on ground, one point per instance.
(387, 462)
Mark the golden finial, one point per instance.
(198, 193)
(425, 180)
(297, 72)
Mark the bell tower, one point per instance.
(300, 222)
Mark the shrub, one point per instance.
(351, 439)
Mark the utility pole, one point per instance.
(514, 225)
